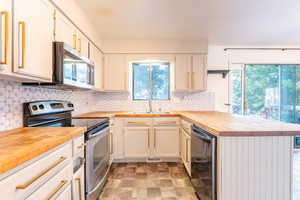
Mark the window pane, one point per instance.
(141, 82)
(236, 91)
(287, 93)
(262, 91)
(160, 82)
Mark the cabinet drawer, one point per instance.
(78, 145)
(24, 182)
(137, 122)
(186, 126)
(66, 194)
(55, 187)
(169, 121)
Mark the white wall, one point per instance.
(154, 46)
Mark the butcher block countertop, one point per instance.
(20, 145)
(218, 123)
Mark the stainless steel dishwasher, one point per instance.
(204, 163)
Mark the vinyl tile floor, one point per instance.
(141, 181)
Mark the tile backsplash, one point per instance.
(12, 95)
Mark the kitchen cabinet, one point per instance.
(162, 145)
(115, 72)
(116, 128)
(41, 177)
(82, 44)
(97, 57)
(182, 72)
(57, 187)
(65, 31)
(5, 35)
(137, 142)
(186, 149)
(33, 37)
(199, 73)
(190, 73)
(78, 185)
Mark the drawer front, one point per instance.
(137, 122)
(186, 126)
(78, 145)
(66, 194)
(55, 187)
(166, 121)
(24, 182)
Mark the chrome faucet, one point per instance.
(150, 105)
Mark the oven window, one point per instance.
(100, 152)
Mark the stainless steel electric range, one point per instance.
(59, 114)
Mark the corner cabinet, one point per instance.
(33, 37)
(190, 73)
(115, 72)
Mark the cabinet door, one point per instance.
(115, 73)
(65, 31)
(82, 45)
(182, 72)
(5, 35)
(137, 142)
(33, 25)
(78, 185)
(199, 74)
(183, 145)
(187, 151)
(97, 57)
(166, 141)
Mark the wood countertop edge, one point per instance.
(16, 161)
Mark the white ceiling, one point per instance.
(223, 22)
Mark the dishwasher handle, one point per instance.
(202, 133)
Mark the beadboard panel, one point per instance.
(256, 168)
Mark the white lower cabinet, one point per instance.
(147, 138)
(186, 150)
(166, 141)
(78, 185)
(137, 142)
(55, 187)
(48, 177)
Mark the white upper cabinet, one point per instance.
(5, 35)
(97, 57)
(33, 37)
(115, 72)
(182, 72)
(82, 44)
(65, 31)
(199, 73)
(190, 73)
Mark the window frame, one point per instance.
(150, 65)
(244, 87)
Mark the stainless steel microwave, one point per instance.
(71, 68)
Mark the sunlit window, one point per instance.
(151, 81)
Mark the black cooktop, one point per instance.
(90, 123)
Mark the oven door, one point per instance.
(97, 162)
(203, 166)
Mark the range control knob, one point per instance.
(41, 106)
(34, 107)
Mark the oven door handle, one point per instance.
(99, 133)
(201, 134)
